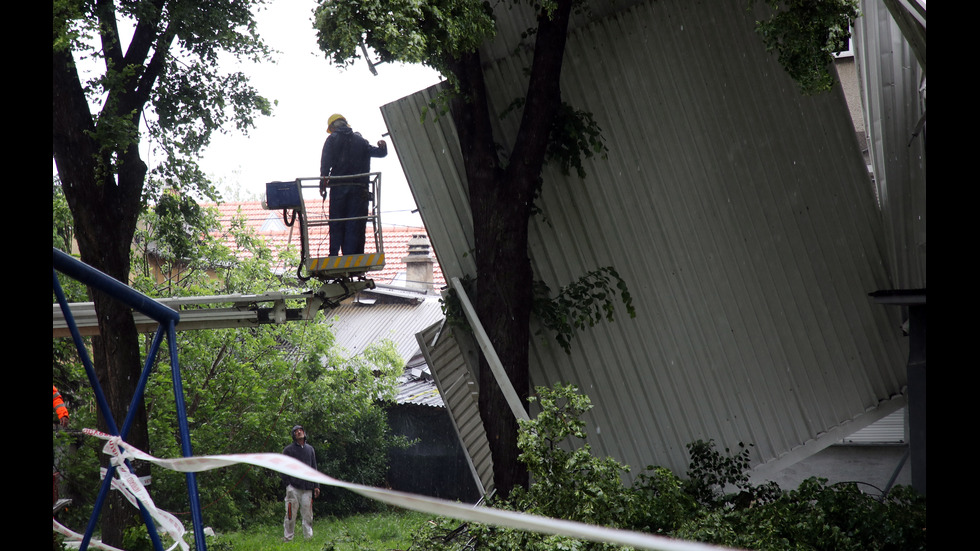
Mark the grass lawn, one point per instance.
(384, 531)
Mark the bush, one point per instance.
(716, 504)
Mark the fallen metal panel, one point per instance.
(894, 98)
(448, 364)
(739, 212)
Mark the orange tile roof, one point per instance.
(269, 225)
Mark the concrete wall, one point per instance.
(869, 464)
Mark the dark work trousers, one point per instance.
(348, 201)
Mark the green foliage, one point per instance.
(348, 428)
(662, 501)
(575, 135)
(235, 383)
(180, 225)
(568, 480)
(136, 538)
(191, 104)
(805, 34)
(438, 35)
(582, 303)
(76, 458)
(62, 238)
(63, 226)
(428, 33)
(717, 504)
(243, 388)
(711, 474)
(169, 77)
(818, 516)
(383, 530)
(452, 305)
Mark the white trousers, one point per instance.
(301, 500)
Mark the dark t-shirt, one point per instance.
(307, 455)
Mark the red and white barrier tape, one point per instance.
(485, 515)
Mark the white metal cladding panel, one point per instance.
(742, 218)
(434, 163)
(890, 429)
(891, 79)
(447, 363)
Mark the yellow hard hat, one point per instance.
(334, 118)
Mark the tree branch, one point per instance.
(161, 50)
(543, 92)
(471, 114)
(109, 35)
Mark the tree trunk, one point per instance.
(501, 205)
(105, 213)
(503, 270)
(503, 303)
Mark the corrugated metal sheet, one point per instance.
(358, 324)
(417, 386)
(418, 391)
(739, 212)
(894, 99)
(448, 359)
(890, 429)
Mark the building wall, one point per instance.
(434, 465)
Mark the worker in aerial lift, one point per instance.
(345, 153)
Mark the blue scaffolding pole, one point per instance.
(167, 318)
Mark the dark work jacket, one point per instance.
(305, 454)
(346, 152)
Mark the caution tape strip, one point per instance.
(72, 536)
(120, 451)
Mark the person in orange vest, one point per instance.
(59, 407)
(62, 411)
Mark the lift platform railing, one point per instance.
(309, 201)
(168, 319)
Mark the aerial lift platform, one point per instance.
(303, 200)
(339, 277)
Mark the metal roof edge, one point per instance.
(762, 472)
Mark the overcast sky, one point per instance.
(309, 89)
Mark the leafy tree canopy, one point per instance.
(806, 34)
(157, 63)
(428, 33)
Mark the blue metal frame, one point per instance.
(167, 318)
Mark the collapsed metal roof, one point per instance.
(739, 212)
(893, 98)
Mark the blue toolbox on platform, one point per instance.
(282, 195)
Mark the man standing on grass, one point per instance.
(299, 492)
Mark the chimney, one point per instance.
(418, 264)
